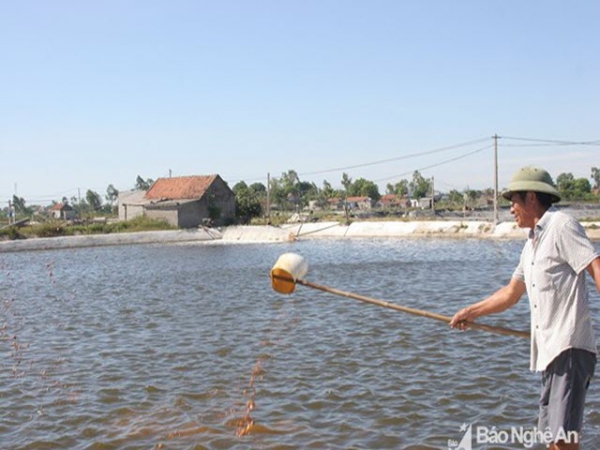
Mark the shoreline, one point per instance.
(291, 232)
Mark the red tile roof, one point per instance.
(192, 187)
(59, 207)
(389, 198)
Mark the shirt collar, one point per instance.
(542, 223)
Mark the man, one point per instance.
(552, 270)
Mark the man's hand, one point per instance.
(502, 299)
(462, 316)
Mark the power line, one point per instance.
(487, 147)
(381, 161)
(397, 158)
(552, 141)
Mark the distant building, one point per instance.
(485, 201)
(393, 201)
(184, 202)
(425, 202)
(62, 211)
(131, 204)
(359, 203)
(335, 204)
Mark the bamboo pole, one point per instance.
(413, 311)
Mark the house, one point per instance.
(131, 204)
(393, 201)
(359, 203)
(335, 204)
(190, 201)
(425, 202)
(63, 211)
(485, 201)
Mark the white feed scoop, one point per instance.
(289, 268)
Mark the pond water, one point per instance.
(178, 346)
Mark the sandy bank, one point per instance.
(286, 233)
(456, 228)
(98, 240)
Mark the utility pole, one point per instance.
(432, 196)
(268, 198)
(11, 219)
(495, 180)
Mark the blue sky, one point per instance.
(96, 93)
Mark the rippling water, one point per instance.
(154, 347)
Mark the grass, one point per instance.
(60, 228)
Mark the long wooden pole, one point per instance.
(416, 312)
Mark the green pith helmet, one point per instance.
(532, 179)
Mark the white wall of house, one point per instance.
(131, 204)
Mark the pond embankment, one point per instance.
(98, 240)
(291, 232)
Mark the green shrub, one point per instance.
(11, 233)
(142, 223)
(48, 229)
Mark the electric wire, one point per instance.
(397, 158)
(381, 161)
(487, 147)
(551, 141)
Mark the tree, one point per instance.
(307, 191)
(365, 188)
(571, 187)
(471, 195)
(400, 188)
(419, 186)
(289, 192)
(564, 182)
(346, 182)
(239, 186)
(290, 181)
(455, 196)
(143, 185)
(247, 204)
(581, 187)
(596, 177)
(112, 194)
(327, 191)
(278, 195)
(258, 188)
(19, 205)
(94, 200)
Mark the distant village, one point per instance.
(207, 200)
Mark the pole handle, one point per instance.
(413, 311)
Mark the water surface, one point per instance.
(154, 347)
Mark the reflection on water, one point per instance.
(187, 346)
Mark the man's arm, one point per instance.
(594, 270)
(499, 301)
